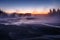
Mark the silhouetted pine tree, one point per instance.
(58, 12)
(50, 13)
(54, 12)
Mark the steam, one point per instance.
(23, 20)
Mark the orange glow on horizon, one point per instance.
(33, 12)
(40, 12)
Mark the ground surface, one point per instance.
(29, 32)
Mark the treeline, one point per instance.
(54, 12)
(4, 14)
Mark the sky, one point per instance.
(29, 6)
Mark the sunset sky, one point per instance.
(29, 6)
